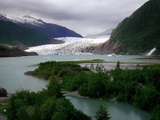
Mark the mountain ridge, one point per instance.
(52, 30)
(13, 34)
(136, 34)
(29, 31)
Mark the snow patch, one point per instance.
(26, 19)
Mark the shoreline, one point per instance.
(74, 94)
(111, 66)
(7, 97)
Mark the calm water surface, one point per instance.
(117, 111)
(12, 78)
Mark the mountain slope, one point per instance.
(102, 34)
(12, 51)
(136, 34)
(13, 34)
(31, 31)
(51, 30)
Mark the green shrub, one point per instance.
(3, 92)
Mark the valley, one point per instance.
(71, 61)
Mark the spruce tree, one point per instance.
(102, 113)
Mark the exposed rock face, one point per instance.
(13, 51)
(111, 48)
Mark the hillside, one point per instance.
(11, 33)
(52, 30)
(137, 34)
(12, 51)
(30, 31)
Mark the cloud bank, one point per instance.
(83, 16)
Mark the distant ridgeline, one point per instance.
(52, 30)
(137, 34)
(30, 31)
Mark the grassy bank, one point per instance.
(3, 104)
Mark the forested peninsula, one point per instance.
(139, 87)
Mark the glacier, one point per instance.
(71, 46)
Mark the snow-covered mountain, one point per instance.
(71, 45)
(22, 19)
(27, 20)
(3, 17)
(52, 30)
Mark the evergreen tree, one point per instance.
(118, 65)
(102, 113)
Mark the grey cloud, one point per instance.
(46, 9)
(89, 13)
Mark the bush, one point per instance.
(44, 105)
(3, 92)
(102, 113)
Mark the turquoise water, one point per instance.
(117, 111)
(12, 78)
(12, 69)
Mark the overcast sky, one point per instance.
(82, 16)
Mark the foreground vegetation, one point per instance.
(102, 113)
(139, 87)
(3, 105)
(48, 104)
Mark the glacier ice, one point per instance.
(71, 46)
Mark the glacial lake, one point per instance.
(12, 78)
(117, 111)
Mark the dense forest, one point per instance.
(139, 87)
(49, 104)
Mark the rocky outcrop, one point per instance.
(13, 51)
